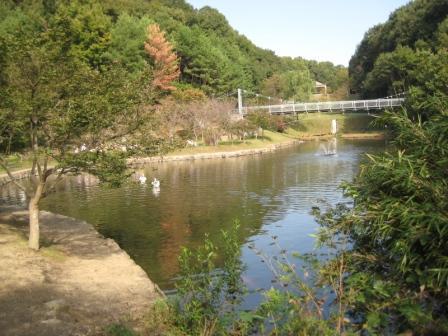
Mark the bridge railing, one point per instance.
(348, 105)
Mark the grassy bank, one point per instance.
(318, 124)
(305, 127)
(17, 162)
(269, 138)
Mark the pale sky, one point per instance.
(323, 30)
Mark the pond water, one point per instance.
(270, 194)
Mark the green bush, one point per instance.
(399, 228)
(207, 297)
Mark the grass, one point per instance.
(14, 236)
(119, 329)
(312, 125)
(53, 253)
(270, 138)
(316, 124)
(17, 162)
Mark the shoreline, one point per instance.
(19, 174)
(79, 282)
(137, 161)
(212, 155)
(348, 136)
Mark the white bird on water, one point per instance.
(155, 183)
(142, 179)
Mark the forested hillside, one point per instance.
(398, 263)
(407, 50)
(213, 56)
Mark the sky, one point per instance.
(322, 30)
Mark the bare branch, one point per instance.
(39, 169)
(49, 187)
(11, 176)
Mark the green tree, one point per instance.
(416, 24)
(202, 64)
(82, 29)
(272, 86)
(398, 264)
(442, 34)
(211, 20)
(127, 40)
(391, 73)
(297, 85)
(66, 104)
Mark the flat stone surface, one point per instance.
(76, 284)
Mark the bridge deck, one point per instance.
(348, 105)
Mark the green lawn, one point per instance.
(313, 124)
(17, 162)
(270, 138)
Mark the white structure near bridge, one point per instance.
(346, 105)
(329, 106)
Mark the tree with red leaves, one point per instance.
(166, 62)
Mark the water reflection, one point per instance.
(270, 194)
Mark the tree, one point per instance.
(213, 21)
(166, 63)
(398, 267)
(297, 85)
(294, 84)
(442, 34)
(67, 105)
(272, 86)
(391, 73)
(127, 41)
(82, 30)
(202, 63)
(260, 119)
(416, 24)
(208, 119)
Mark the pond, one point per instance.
(270, 194)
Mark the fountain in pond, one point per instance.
(334, 127)
(329, 148)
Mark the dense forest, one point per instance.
(213, 56)
(398, 262)
(410, 49)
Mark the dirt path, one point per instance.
(77, 284)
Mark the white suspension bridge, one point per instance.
(327, 106)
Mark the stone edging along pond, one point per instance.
(4, 179)
(214, 155)
(21, 174)
(76, 285)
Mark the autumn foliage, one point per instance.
(166, 62)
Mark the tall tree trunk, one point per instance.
(8, 146)
(34, 146)
(33, 208)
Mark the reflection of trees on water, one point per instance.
(10, 195)
(199, 197)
